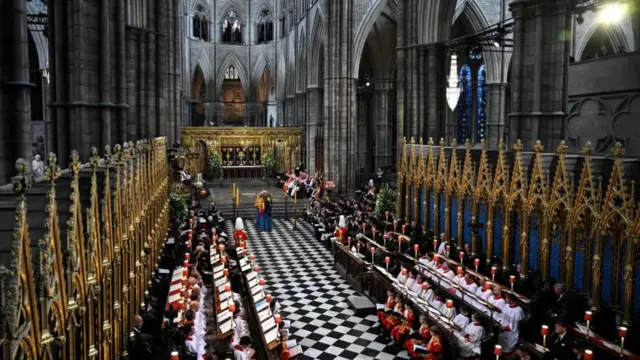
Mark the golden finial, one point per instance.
(618, 150)
(413, 141)
(107, 155)
(442, 143)
(74, 163)
(587, 149)
(467, 142)
(430, 142)
(421, 140)
(126, 151)
(404, 139)
(518, 145)
(94, 159)
(133, 149)
(501, 145)
(454, 144)
(538, 147)
(21, 182)
(52, 171)
(562, 147)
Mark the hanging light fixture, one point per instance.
(453, 89)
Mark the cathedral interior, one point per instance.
(501, 128)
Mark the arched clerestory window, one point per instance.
(472, 105)
(200, 23)
(231, 28)
(265, 26)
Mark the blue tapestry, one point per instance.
(555, 253)
(442, 205)
(421, 207)
(482, 219)
(622, 260)
(454, 217)
(432, 201)
(607, 269)
(467, 220)
(497, 232)
(534, 249)
(465, 105)
(516, 240)
(481, 106)
(578, 271)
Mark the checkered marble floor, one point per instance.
(300, 275)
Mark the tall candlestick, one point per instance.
(588, 315)
(237, 197)
(544, 331)
(295, 198)
(622, 331)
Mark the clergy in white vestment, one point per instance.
(442, 249)
(469, 344)
(512, 314)
(462, 319)
(200, 323)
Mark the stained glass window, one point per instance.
(465, 105)
(231, 73)
(481, 110)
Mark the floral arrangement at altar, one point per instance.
(263, 210)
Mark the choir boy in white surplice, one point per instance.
(469, 344)
(448, 310)
(412, 280)
(437, 302)
(446, 272)
(469, 284)
(497, 300)
(512, 314)
(462, 319)
(442, 249)
(426, 293)
(238, 332)
(192, 344)
(402, 278)
(483, 292)
(417, 286)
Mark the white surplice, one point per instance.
(471, 339)
(511, 317)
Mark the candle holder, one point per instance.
(588, 355)
(435, 245)
(373, 252)
(512, 281)
(175, 355)
(384, 240)
(387, 260)
(476, 263)
(415, 250)
(494, 270)
(588, 315)
(400, 243)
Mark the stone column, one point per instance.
(15, 89)
(382, 119)
(280, 113)
(435, 80)
(301, 114)
(340, 96)
(290, 108)
(539, 70)
(314, 114)
(132, 98)
(161, 68)
(363, 120)
(495, 113)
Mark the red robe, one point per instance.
(434, 348)
(342, 234)
(390, 304)
(425, 336)
(392, 320)
(284, 353)
(240, 236)
(405, 326)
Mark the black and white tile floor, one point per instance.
(300, 275)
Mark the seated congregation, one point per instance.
(207, 300)
(437, 301)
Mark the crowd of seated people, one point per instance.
(518, 303)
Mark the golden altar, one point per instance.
(240, 149)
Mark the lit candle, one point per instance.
(436, 258)
(395, 224)
(449, 304)
(232, 306)
(384, 240)
(425, 286)
(256, 268)
(268, 298)
(374, 230)
(622, 331)
(460, 270)
(416, 247)
(262, 282)
(461, 256)
(187, 255)
(587, 317)
(387, 260)
(435, 245)
(277, 318)
(497, 351)
(373, 252)
(399, 243)
(225, 272)
(227, 288)
(476, 262)
(588, 355)
(512, 280)
(386, 213)
(404, 228)
(223, 259)
(544, 331)
(404, 272)
(221, 248)
(493, 273)
(175, 355)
